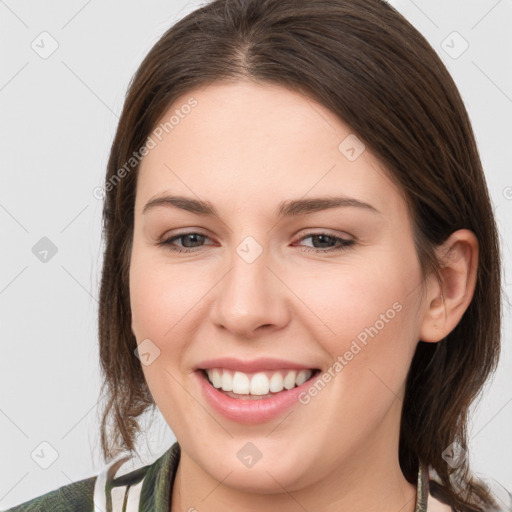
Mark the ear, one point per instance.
(447, 301)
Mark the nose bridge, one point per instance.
(250, 296)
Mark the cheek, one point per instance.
(372, 317)
(344, 301)
(161, 296)
(365, 315)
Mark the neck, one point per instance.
(368, 478)
(390, 492)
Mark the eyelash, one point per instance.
(344, 243)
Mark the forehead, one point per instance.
(242, 141)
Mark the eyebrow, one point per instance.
(290, 208)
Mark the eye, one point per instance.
(324, 239)
(191, 239)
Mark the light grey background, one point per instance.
(59, 115)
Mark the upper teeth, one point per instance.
(259, 383)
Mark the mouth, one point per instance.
(258, 385)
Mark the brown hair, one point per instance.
(366, 63)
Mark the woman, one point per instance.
(302, 269)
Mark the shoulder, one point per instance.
(75, 496)
(114, 488)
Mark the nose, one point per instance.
(251, 299)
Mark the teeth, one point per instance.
(289, 380)
(216, 378)
(302, 377)
(276, 383)
(259, 383)
(226, 381)
(241, 384)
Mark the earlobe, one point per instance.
(446, 301)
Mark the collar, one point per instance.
(422, 489)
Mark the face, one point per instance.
(267, 292)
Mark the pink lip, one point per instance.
(249, 411)
(254, 365)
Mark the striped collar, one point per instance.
(149, 487)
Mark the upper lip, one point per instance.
(253, 365)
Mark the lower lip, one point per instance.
(250, 411)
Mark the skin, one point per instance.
(245, 148)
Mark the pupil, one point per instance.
(324, 237)
(187, 237)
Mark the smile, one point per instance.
(249, 398)
(238, 384)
